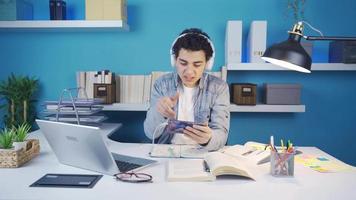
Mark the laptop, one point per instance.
(83, 147)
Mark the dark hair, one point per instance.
(194, 40)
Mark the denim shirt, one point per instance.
(212, 102)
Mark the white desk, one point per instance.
(306, 184)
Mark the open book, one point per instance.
(207, 169)
(177, 151)
(253, 151)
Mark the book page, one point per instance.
(193, 151)
(253, 151)
(188, 170)
(165, 151)
(222, 164)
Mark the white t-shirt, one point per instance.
(185, 113)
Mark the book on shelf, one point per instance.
(256, 41)
(177, 151)
(254, 152)
(214, 164)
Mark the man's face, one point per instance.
(190, 66)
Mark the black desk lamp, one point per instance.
(291, 55)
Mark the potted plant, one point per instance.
(20, 136)
(6, 139)
(297, 8)
(18, 93)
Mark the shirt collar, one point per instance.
(178, 81)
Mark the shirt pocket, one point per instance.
(203, 116)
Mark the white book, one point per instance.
(233, 42)
(90, 79)
(147, 89)
(256, 41)
(81, 83)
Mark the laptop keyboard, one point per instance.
(126, 166)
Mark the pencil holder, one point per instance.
(282, 163)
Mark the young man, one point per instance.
(190, 94)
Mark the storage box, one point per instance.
(105, 10)
(107, 92)
(16, 158)
(15, 10)
(342, 52)
(282, 94)
(243, 93)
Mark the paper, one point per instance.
(321, 163)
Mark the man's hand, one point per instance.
(165, 106)
(199, 133)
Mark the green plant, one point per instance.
(18, 93)
(297, 7)
(21, 132)
(6, 138)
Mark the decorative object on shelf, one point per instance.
(256, 41)
(282, 94)
(297, 7)
(107, 92)
(19, 93)
(16, 158)
(342, 52)
(233, 42)
(291, 55)
(11, 10)
(105, 10)
(57, 10)
(243, 93)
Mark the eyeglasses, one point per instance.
(133, 177)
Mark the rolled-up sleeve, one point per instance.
(220, 119)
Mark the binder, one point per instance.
(60, 12)
(233, 42)
(52, 9)
(256, 41)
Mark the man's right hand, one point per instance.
(165, 106)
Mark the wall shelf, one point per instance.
(267, 108)
(233, 108)
(271, 67)
(64, 25)
(126, 107)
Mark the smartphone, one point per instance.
(177, 126)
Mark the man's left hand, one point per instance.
(199, 133)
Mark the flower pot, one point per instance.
(19, 145)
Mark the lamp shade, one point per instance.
(289, 54)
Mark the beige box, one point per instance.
(105, 10)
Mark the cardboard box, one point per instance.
(244, 93)
(105, 10)
(15, 10)
(282, 94)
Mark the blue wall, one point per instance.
(329, 120)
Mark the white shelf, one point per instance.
(271, 67)
(64, 24)
(126, 107)
(233, 108)
(267, 108)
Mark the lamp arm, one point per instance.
(333, 38)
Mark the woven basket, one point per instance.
(12, 158)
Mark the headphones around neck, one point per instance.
(210, 62)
